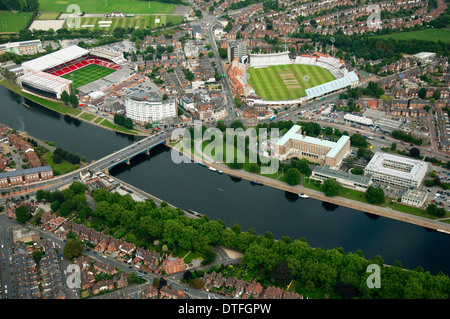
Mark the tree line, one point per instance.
(279, 261)
(332, 270)
(22, 5)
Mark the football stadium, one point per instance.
(73, 68)
(277, 79)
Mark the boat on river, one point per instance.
(303, 195)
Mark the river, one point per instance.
(191, 186)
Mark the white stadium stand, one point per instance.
(54, 59)
(258, 60)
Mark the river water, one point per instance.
(191, 186)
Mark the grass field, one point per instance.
(108, 6)
(426, 35)
(285, 82)
(163, 20)
(12, 22)
(129, 22)
(88, 116)
(87, 74)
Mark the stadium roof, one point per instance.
(44, 81)
(55, 58)
(331, 86)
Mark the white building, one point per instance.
(151, 108)
(44, 84)
(396, 170)
(349, 180)
(414, 197)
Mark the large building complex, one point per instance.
(23, 47)
(297, 144)
(51, 74)
(149, 108)
(396, 170)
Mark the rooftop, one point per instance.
(408, 168)
(338, 174)
(295, 134)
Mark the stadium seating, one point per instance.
(82, 62)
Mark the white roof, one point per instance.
(417, 171)
(358, 119)
(295, 134)
(55, 58)
(44, 81)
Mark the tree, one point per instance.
(72, 248)
(22, 214)
(422, 93)
(223, 53)
(434, 210)
(375, 195)
(303, 166)
(331, 187)
(37, 255)
(393, 146)
(281, 274)
(293, 176)
(414, 152)
(65, 97)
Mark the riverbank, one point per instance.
(376, 210)
(67, 110)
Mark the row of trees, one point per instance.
(332, 270)
(123, 121)
(400, 135)
(22, 5)
(59, 155)
(71, 99)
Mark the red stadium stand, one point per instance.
(82, 62)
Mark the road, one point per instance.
(105, 163)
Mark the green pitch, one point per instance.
(12, 22)
(285, 82)
(128, 22)
(108, 6)
(87, 74)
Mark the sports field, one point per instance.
(87, 74)
(426, 35)
(108, 6)
(109, 24)
(13, 22)
(286, 82)
(161, 20)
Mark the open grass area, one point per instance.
(160, 20)
(13, 22)
(61, 168)
(109, 6)
(98, 120)
(51, 104)
(92, 23)
(87, 74)
(426, 35)
(88, 116)
(286, 82)
(108, 124)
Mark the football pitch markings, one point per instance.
(286, 82)
(87, 74)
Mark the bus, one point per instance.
(272, 118)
